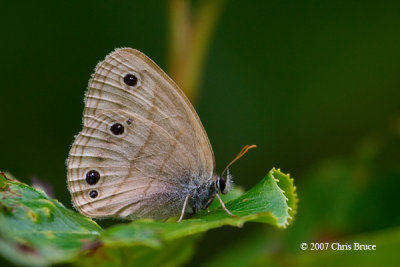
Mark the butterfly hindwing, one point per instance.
(133, 166)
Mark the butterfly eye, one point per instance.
(117, 129)
(221, 184)
(93, 194)
(130, 79)
(92, 177)
(129, 121)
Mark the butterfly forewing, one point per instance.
(155, 97)
(144, 167)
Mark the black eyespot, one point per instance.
(93, 194)
(129, 121)
(92, 177)
(221, 184)
(130, 79)
(117, 129)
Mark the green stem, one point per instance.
(189, 41)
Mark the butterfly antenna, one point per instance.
(241, 153)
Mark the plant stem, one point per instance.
(190, 34)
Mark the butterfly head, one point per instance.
(224, 184)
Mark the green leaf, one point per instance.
(37, 230)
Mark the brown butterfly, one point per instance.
(143, 152)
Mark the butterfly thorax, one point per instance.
(201, 194)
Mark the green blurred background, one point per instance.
(315, 84)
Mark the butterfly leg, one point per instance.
(223, 206)
(183, 208)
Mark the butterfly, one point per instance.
(143, 152)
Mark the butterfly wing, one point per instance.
(147, 170)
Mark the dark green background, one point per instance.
(304, 80)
